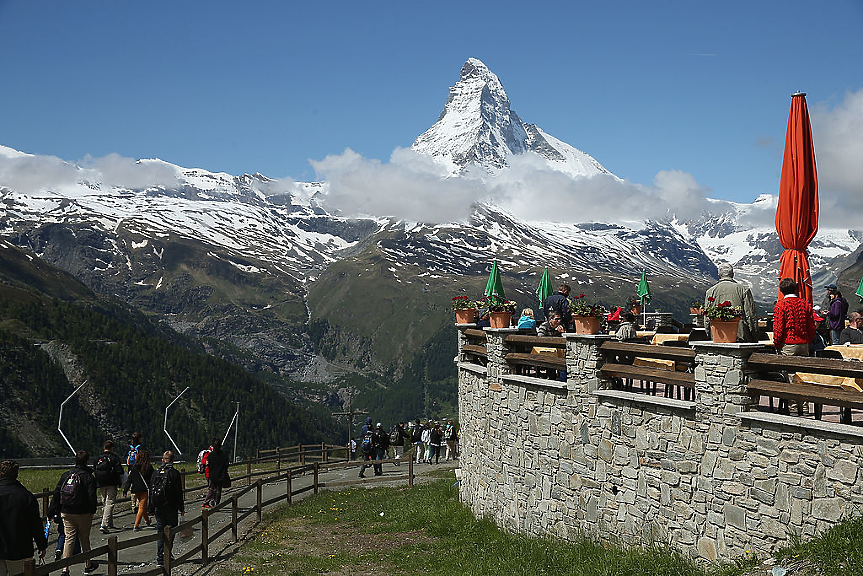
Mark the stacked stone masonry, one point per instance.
(708, 477)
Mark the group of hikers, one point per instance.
(424, 439)
(157, 493)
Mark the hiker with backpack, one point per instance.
(75, 499)
(367, 447)
(108, 472)
(397, 437)
(381, 441)
(450, 436)
(417, 440)
(166, 500)
(138, 481)
(20, 523)
(216, 473)
(435, 437)
(135, 446)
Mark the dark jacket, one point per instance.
(175, 489)
(113, 476)
(559, 303)
(20, 523)
(138, 480)
(380, 438)
(837, 312)
(217, 463)
(435, 436)
(88, 484)
(851, 336)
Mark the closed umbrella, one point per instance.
(544, 288)
(797, 210)
(494, 286)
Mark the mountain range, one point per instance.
(263, 272)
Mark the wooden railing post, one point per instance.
(45, 502)
(249, 472)
(112, 556)
(302, 454)
(278, 458)
(411, 471)
(205, 535)
(288, 489)
(29, 567)
(258, 454)
(167, 546)
(316, 479)
(234, 516)
(259, 487)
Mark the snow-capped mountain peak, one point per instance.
(477, 126)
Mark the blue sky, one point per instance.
(266, 86)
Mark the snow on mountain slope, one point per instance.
(478, 127)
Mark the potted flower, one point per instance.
(724, 319)
(633, 304)
(587, 317)
(465, 309)
(696, 307)
(500, 310)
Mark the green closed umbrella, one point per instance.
(544, 288)
(494, 287)
(643, 289)
(860, 290)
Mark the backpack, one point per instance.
(132, 455)
(160, 488)
(418, 434)
(368, 445)
(104, 469)
(72, 492)
(202, 462)
(395, 435)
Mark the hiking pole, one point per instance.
(165, 425)
(228, 431)
(60, 420)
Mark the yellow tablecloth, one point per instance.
(658, 339)
(855, 352)
(549, 351)
(654, 363)
(645, 333)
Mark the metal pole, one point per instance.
(60, 420)
(165, 425)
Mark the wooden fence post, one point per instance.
(259, 486)
(112, 556)
(288, 489)
(167, 547)
(234, 516)
(302, 454)
(205, 535)
(29, 567)
(411, 471)
(249, 472)
(278, 458)
(316, 478)
(45, 503)
(258, 454)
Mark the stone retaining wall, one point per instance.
(707, 477)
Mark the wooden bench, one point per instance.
(476, 350)
(524, 361)
(624, 353)
(803, 392)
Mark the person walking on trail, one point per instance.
(417, 440)
(136, 444)
(166, 500)
(75, 498)
(426, 438)
(367, 446)
(216, 472)
(729, 290)
(397, 440)
(381, 441)
(836, 312)
(138, 481)
(108, 472)
(435, 437)
(20, 523)
(450, 437)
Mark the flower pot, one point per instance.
(586, 324)
(724, 331)
(466, 316)
(500, 319)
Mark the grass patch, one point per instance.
(37, 479)
(425, 530)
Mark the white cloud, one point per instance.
(120, 172)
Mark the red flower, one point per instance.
(582, 296)
(710, 298)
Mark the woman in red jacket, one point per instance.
(793, 324)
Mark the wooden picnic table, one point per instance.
(659, 339)
(853, 352)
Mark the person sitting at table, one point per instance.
(626, 331)
(852, 334)
(793, 322)
(484, 319)
(526, 321)
(552, 326)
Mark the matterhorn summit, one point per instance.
(478, 128)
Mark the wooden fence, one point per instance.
(321, 454)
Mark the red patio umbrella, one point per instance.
(797, 211)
